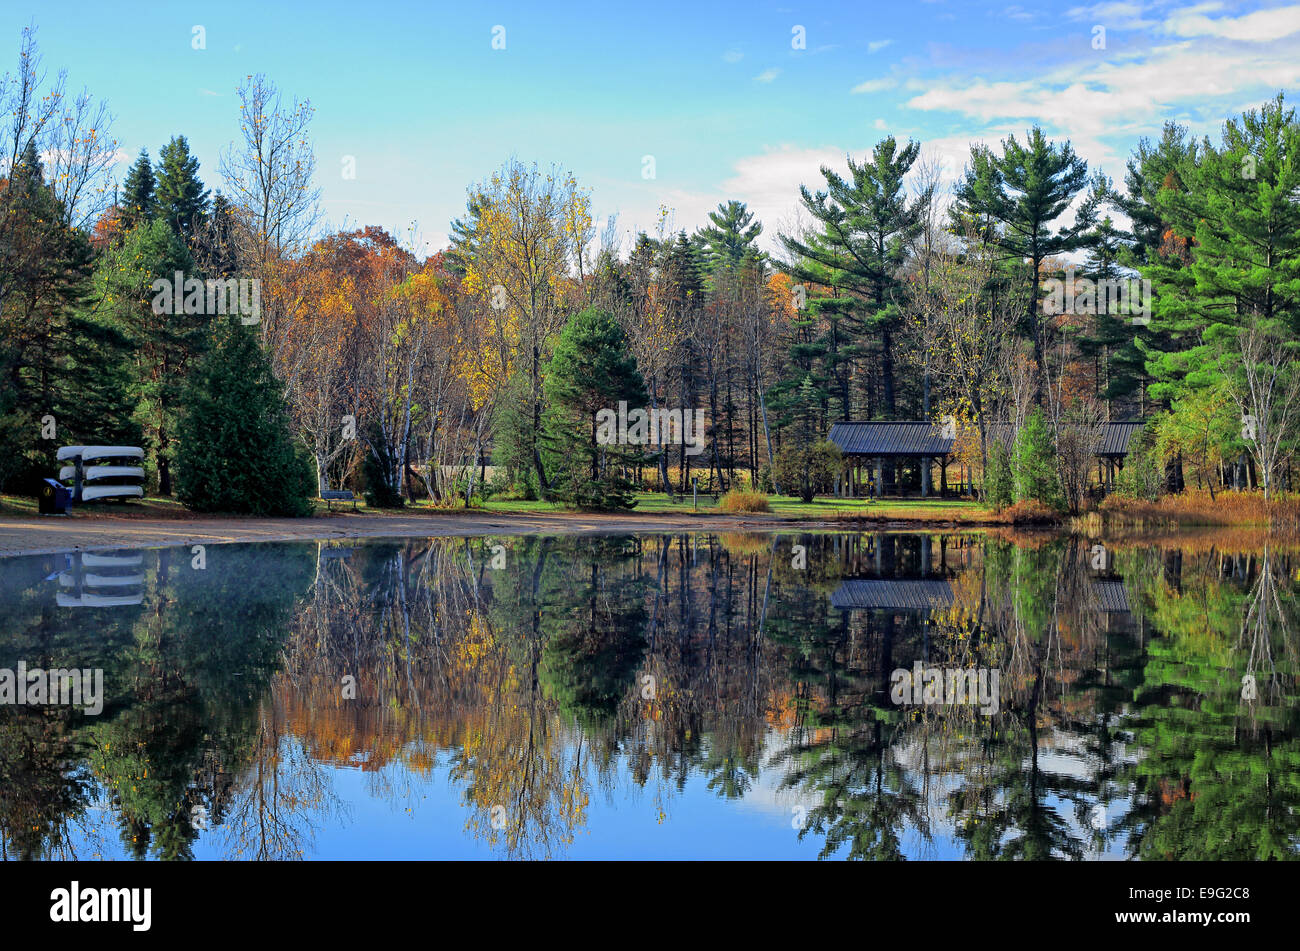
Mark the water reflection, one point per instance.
(727, 694)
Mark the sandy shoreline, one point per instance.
(35, 535)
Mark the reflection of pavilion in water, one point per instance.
(101, 580)
(900, 573)
(912, 575)
(1111, 598)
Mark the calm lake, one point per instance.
(802, 696)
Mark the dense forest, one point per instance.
(1029, 301)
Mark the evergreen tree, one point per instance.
(215, 252)
(1111, 339)
(1230, 253)
(590, 370)
(236, 447)
(730, 235)
(1150, 171)
(165, 338)
(864, 227)
(383, 485)
(805, 465)
(1015, 198)
(138, 193)
(512, 435)
(182, 201)
(60, 363)
(1034, 464)
(1241, 214)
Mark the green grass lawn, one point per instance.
(782, 506)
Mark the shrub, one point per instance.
(740, 500)
(999, 484)
(379, 468)
(1142, 475)
(806, 470)
(1032, 512)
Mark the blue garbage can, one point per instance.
(55, 498)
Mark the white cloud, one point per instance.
(875, 85)
(767, 75)
(1116, 16)
(769, 183)
(733, 56)
(1258, 27)
(875, 46)
(1100, 105)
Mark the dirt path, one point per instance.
(21, 535)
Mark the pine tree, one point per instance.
(236, 447)
(1230, 255)
(730, 235)
(383, 481)
(138, 193)
(215, 250)
(182, 201)
(1014, 198)
(590, 370)
(60, 361)
(1240, 209)
(1111, 339)
(166, 339)
(1033, 463)
(864, 226)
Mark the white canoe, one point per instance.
(101, 452)
(100, 581)
(90, 473)
(97, 600)
(89, 492)
(92, 560)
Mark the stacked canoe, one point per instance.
(106, 472)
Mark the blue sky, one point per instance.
(716, 93)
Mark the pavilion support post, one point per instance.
(925, 476)
(880, 473)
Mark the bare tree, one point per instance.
(1079, 432)
(70, 137)
(966, 328)
(270, 172)
(81, 155)
(1267, 391)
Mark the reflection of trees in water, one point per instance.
(184, 673)
(1219, 776)
(614, 666)
(841, 751)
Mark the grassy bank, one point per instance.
(1196, 508)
